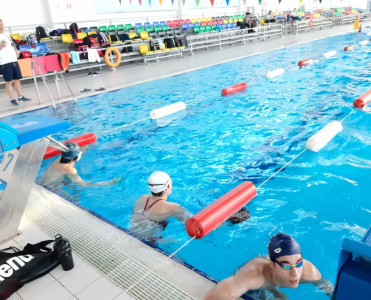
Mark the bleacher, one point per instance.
(133, 39)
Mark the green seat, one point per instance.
(149, 29)
(165, 28)
(103, 28)
(112, 28)
(120, 27)
(208, 28)
(213, 27)
(140, 29)
(202, 29)
(196, 29)
(128, 26)
(157, 28)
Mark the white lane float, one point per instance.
(275, 73)
(167, 110)
(320, 139)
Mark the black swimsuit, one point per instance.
(162, 223)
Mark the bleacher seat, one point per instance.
(103, 28)
(120, 27)
(187, 21)
(94, 28)
(144, 49)
(190, 26)
(139, 30)
(144, 35)
(128, 27)
(147, 24)
(169, 23)
(162, 23)
(138, 25)
(81, 35)
(112, 28)
(185, 26)
(67, 38)
(157, 28)
(165, 27)
(156, 24)
(175, 23)
(149, 29)
(16, 36)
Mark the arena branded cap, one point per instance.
(73, 151)
(158, 181)
(282, 244)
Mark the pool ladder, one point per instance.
(57, 74)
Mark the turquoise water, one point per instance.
(219, 142)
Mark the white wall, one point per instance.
(29, 14)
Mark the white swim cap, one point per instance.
(158, 181)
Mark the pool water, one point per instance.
(219, 142)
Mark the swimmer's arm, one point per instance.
(77, 179)
(278, 295)
(180, 213)
(313, 275)
(236, 285)
(325, 286)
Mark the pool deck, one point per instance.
(103, 254)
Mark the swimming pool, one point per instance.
(219, 142)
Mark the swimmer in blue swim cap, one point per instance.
(64, 167)
(284, 268)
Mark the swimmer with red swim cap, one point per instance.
(284, 268)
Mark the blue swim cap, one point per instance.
(282, 244)
(73, 151)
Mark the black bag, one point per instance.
(169, 42)
(154, 45)
(74, 29)
(178, 41)
(21, 267)
(86, 41)
(41, 33)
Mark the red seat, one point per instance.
(203, 23)
(214, 22)
(181, 22)
(169, 23)
(187, 21)
(175, 23)
(220, 21)
(209, 23)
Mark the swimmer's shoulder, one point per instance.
(310, 272)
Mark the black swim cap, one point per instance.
(73, 151)
(282, 244)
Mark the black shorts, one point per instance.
(11, 71)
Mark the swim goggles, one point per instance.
(288, 266)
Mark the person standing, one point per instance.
(9, 67)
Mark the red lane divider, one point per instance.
(363, 100)
(234, 88)
(82, 140)
(305, 62)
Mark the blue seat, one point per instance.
(197, 24)
(138, 25)
(156, 24)
(147, 24)
(191, 26)
(218, 28)
(185, 26)
(229, 26)
(224, 27)
(162, 23)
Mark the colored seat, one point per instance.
(103, 28)
(92, 32)
(94, 28)
(185, 26)
(169, 23)
(197, 24)
(157, 28)
(16, 36)
(144, 35)
(181, 22)
(192, 21)
(149, 29)
(81, 35)
(120, 27)
(208, 28)
(67, 38)
(128, 26)
(203, 23)
(138, 25)
(156, 24)
(162, 23)
(112, 28)
(196, 29)
(147, 24)
(190, 26)
(139, 30)
(202, 29)
(165, 27)
(176, 23)
(143, 49)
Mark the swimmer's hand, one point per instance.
(116, 180)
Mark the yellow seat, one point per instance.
(144, 35)
(198, 20)
(92, 32)
(262, 21)
(143, 49)
(193, 21)
(208, 19)
(81, 35)
(67, 38)
(132, 34)
(204, 20)
(16, 36)
(230, 21)
(225, 21)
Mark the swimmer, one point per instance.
(64, 167)
(284, 268)
(151, 212)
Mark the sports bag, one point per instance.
(20, 267)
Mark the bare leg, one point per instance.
(9, 89)
(18, 88)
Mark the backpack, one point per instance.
(154, 45)
(86, 41)
(178, 41)
(31, 39)
(124, 37)
(169, 42)
(102, 38)
(74, 29)
(34, 261)
(40, 33)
